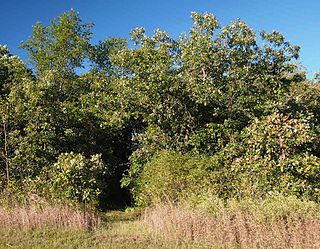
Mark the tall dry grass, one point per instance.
(33, 216)
(242, 228)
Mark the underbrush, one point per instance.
(48, 215)
(31, 212)
(276, 222)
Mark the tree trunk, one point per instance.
(6, 157)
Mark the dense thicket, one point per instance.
(219, 109)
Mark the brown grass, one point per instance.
(32, 216)
(241, 229)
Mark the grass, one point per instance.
(279, 222)
(29, 217)
(120, 230)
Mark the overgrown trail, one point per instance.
(120, 230)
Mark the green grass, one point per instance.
(120, 230)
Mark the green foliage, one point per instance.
(77, 178)
(213, 110)
(272, 155)
(61, 47)
(303, 102)
(171, 176)
(12, 73)
(58, 111)
(278, 136)
(272, 207)
(193, 93)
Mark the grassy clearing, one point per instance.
(119, 230)
(279, 222)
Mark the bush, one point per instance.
(275, 157)
(272, 155)
(170, 176)
(76, 178)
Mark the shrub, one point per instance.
(170, 175)
(276, 157)
(77, 178)
(272, 155)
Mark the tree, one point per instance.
(195, 92)
(272, 155)
(200, 94)
(62, 108)
(60, 47)
(12, 73)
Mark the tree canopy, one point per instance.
(227, 94)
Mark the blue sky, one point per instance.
(298, 20)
